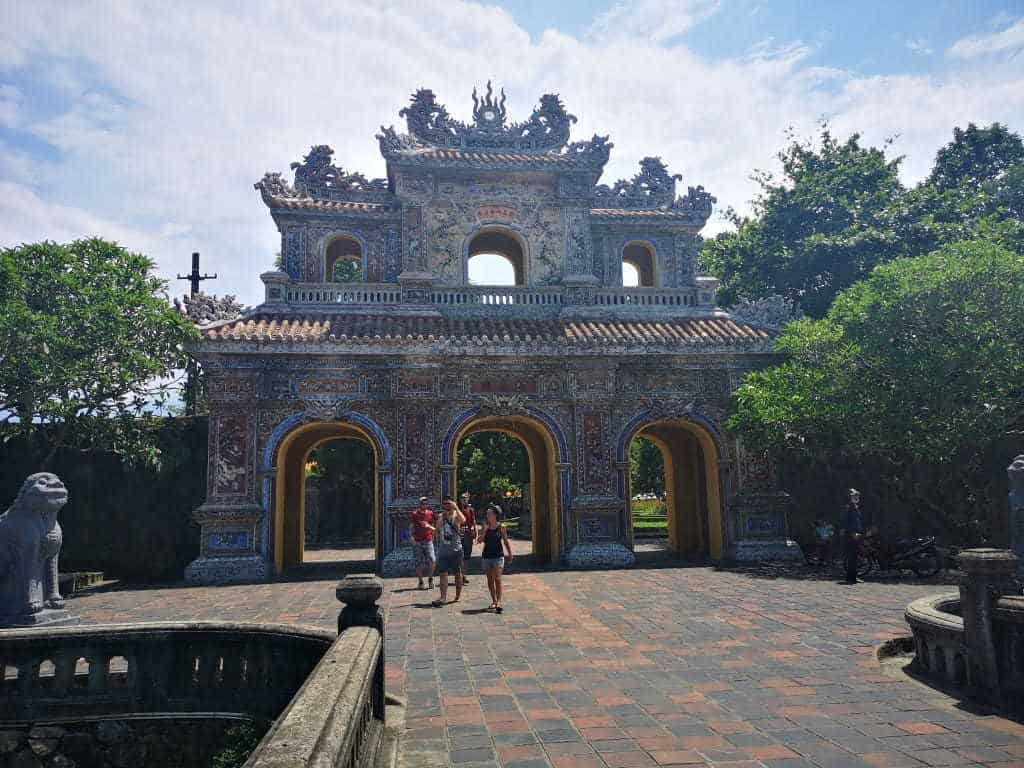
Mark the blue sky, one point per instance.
(148, 122)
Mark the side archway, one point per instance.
(284, 485)
(549, 468)
(691, 448)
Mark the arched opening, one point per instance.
(682, 512)
(339, 501)
(297, 459)
(343, 261)
(494, 466)
(539, 499)
(496, 257)
(638, 265)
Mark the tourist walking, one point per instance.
(448, 537)
(468, 533)
(421, 528)
(853, 523)
(493, 535)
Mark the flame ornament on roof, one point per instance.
(429, 123)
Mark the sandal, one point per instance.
(498, 609)
(436, 603)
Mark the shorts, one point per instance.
(490, 563)
(424, 552)
(450, 561)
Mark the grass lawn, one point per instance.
(649, 517)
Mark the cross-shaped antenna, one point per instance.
(194, 277)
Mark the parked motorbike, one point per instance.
(919, 555)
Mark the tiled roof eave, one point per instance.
(334, 207)
(491, 161)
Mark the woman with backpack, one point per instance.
(448, 538)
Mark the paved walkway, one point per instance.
(671, 666)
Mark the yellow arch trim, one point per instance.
(337, 430)
(500, 424)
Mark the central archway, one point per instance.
(545, 448)
(290, 455)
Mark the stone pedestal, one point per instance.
(48, 617)
(762, 528)
(988, 574)
(228, 548)
(359, 594)
(1015, 474)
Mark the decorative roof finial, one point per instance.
(488, 113)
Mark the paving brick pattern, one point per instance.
(647, 667)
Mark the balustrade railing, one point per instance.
(646, 297)
(498, 295)
(155, 667)
(342, 293)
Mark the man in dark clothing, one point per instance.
(853, 522)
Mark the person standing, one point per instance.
(448, 538)
(421, 527)
(853, 522)
(468, 533)
(493, 535)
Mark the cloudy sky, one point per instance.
(149, 122)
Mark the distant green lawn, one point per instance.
(649, 517)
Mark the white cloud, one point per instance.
(920, 45)
(10, 101)
(657, 20)
(1008, 40)
(174, 110)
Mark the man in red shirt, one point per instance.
(468, 533)
(421, 527)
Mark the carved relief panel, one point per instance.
(230, 460)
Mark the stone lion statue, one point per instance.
(30, 541)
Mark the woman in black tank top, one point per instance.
(493, 535)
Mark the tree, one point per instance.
(914, 380)
(646, 466)
(88, 344)
(491, 463)
(976, 157)
(816, 231)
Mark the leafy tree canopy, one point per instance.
(646, 466)
(491, 463)
(814, 231)
(839, 210)
(88, 343)
(917, 370)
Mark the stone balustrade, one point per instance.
(324, 693)
(975, 637)
(527, 299)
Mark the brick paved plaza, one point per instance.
(645, 667)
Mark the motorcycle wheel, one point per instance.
(926, 566)
(864, 565)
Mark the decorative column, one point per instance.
(359, 594)
(1015, 474)
(230, 520)
(415, 278)
(988, 574)
(760, 512)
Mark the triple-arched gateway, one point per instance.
(371, 330)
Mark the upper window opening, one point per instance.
(344, 261)
(638, 266)
(496, 258)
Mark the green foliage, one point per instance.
(344, 470)
(347, 271)
(241, 741)
(916, 373)
(88, 343)
(492, 463)
(815, 231)
(646, 467)
(839, 210)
